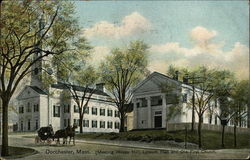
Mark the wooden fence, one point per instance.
(228, 129)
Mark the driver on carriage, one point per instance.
(51, 129)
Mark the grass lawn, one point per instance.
(210, 139)
(18, 152)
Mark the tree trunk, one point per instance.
(235, 140)
(5, 145)
(199, 131)
(193, 117)
(222, 136)
(122, 118)
(80, 123)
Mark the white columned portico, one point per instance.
(135, 114)
(149, 112)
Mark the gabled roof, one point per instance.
(158, 79)
(78, 88)
(38, 90)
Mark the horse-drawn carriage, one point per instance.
(47, 135)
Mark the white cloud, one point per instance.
(204, 52)
(201, 35)
(99, 54)
(130, 25)
(238, 60)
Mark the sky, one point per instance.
(181, 33)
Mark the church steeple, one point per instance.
(36, 74)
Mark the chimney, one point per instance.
(100, 87)
(176, 75)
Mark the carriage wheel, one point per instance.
(37, 140)
(49, 141)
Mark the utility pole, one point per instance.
(193, 78)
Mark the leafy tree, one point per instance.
(239, 100)
(203, 95)
(121, 71)
(30, 31)
(223, 82)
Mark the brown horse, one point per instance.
(71, 133)
(62, 133)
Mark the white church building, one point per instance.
(38, 108)
(151, 104)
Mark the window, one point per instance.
(36, 107)
(102, 112)
(76, 121)
(21, 110)
(28, 107)
(94, 124)
(102, 124)
(138, 105)
(56, 111)
(110, 125)
(117, 125)
(94, 111)
(116, 113)
(144, 102)
(36, 125)
(76, 109)
(184, 98)
(110, 113)
(36, 71)
(215, 120)
(86, 110)
(28, 124)
(85, 123)
(156, 101)
(210, 119)
(66, 108)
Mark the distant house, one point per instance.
(243, 120)
(151, 105)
